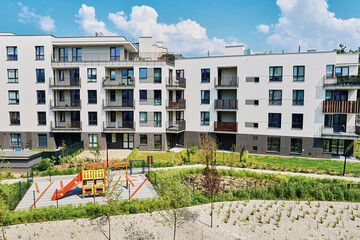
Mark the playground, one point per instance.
(88, 186)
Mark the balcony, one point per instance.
(151, 79)
(341, 106)
(342, 82)
(151, 123)
(226, 104)
(340, 132)
(118, 83)
(227, 82)
(65, 105)
(176, 84)
(225, 126)
(175, 126)
(119, 126)
(179, 104)
(67, 126)
(119, 105)
(150, 101)
(65, 83)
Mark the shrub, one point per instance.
(44, 164)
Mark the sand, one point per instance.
(255, 219)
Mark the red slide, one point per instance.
(71, 185)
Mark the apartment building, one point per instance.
(123, 95)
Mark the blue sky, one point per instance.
(194, 27)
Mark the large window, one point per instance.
(40, 75)
(93, 140)
(274, 120)
(157, 119)
(157, 75)
(205, 118)
(143, 117)
(112, 95)
(92, 74)
(115, 54)
(336, 95)
(143, 73)
(39, 52)
(12, 54)
(326, 145)
(157, 142)
(143, 139)
(275, 97)
(42, 140)
(13, 76)
(13, 97)
(92, 97)
(298, 97)
(92, 118)
(297, 121)
(143, 95)
(205, 96)
(63, 54)
(15, 139)
(299, 73)
(341, 71)
(328, 120)
(112, 116)
(112, 74)
(205, 75)
(273, 144)
(157, 97)
(77, 54)
(14, 118)
(329, 71)
(296, 145)
(180, 74)
(62, 116)
(276, 74)
(40, 94)
(41, 118)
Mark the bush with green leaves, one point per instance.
(44, 164)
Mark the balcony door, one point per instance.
(128, 119)
(74, 98)
(340, 122)
(75, 119)
(74, 77)
(127, 98)
(127, 76)
(128, 140)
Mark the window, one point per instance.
(276, 74)
(254, 148)
(113, 137)
(112, 116)
(296, 145)
(205, 75)
(205, 96)
(327, 145)
(115, 54)
(341, 71)
(63, 54)
(298, 97)
(13, 97)
(205, 118)
(14, 118)
(328, 120)
(92, 118)
(41, 96)
(62, 95)
(61, 75)
(329, 71)
(297, 121)
(252, 102)
(62, 116)
(143, 117)
(112, 95)
(157, 142)
(143, 73)
(42, 139)
(251, 125)
(273, 144)
(157, 119)
(39, 52)
(336, 95)
(92, 74)
(12, 53)
(157, 75)
(275, 97)
(40, 75)
(157, 97)
(13, 76)
(143, 95)
(15, 139)
(299, 73)
(112, 74)
(92, 98)
(41, 118)
(180, 74)
(274, 120)
(93, 140)
(143, 139)
(77, 54)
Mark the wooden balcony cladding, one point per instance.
(341, 107)
(226, 126)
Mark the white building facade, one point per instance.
(110, 91)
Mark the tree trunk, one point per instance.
(109, 227)
(212, 213)
(3, 231)
(175, 229)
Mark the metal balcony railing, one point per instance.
(175, 126)
(226, 82)
(118, 82)
(340, 132)
(342, 81)
(66, 126)
(66, 82)
(176, 104)
(226, 126)
(150, 101)
(151, 123)
(119, 126)
(151, 79)
(176, 83)
(226, 104)
(66, 104)
(126, 104)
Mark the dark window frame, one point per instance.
(205, 118)
(205, 75)
(115, 55)
(272, 99)
(39, 53)
(40, 75)
(297, 121)
(92, 98)
(294, 148)
(42, 140)
(272, 77)
(205, 100)
(143, 140)
(272, 144)
(41, 118)
(16, 100)
(16, 76)
(14, 55)
(296, 99)
(272, 117)
(92, 117)
(92, 77)
(296, 76)
(14, 118)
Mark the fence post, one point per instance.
(50, 173)
(57, 200)
(34, 199)
(130, 167)
(27, 178)
(129, 192)
(20, 190)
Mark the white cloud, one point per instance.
(263, 28)
(310, 24)
(185, 36)
(27, 15)
(89, 24)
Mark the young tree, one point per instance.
(178, 197)
(95, 151)
(211, 176)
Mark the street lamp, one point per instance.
(107, 154)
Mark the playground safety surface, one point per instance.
(44, 189)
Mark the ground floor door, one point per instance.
(120, 140)
(175, 140)
(340, 147)
(66, 138)
(225, 141)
